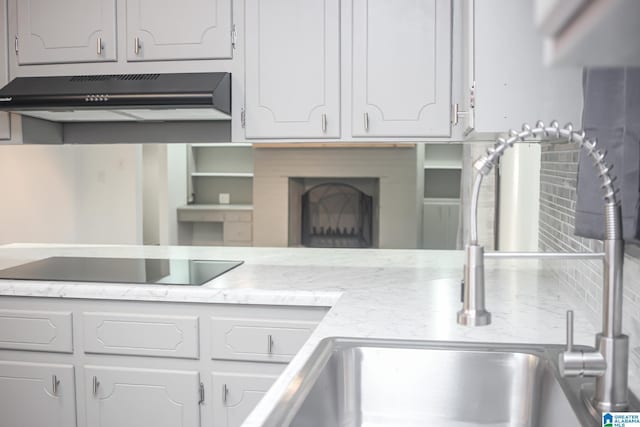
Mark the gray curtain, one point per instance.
(612, 116)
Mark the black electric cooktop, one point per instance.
(150, 271)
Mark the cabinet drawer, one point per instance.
(238, 216)
(141, 335)
(258, 339)
(36, 330)
(200, 216)
(237, 231)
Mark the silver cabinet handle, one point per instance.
(99, 46)
(324, 123)
(201, 390)
(269, 344)
(55, 382)
(366, 122)
(137, 45)
(96, 384)
(225, 393)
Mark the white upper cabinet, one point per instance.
(61, 31)
(508, 82)
(160, 30)
(401, 85)
(592, 33)
(5, 121)
(292, 69)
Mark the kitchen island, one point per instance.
(404, 294)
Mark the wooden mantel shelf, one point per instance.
(332, 145)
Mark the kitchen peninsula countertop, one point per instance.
(403, 294)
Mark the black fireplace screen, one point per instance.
(337, 216)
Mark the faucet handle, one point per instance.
(569, 330)
(579, 363)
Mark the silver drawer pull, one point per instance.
(137, 45)
(99, 46)
(225, 393)
(324, 123)
(270, 344)
(55, 382)
(96, 384)
(366, 122)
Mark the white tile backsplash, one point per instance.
(558, 179)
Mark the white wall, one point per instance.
(108, 193)
(37, 194)
(71, 194)
(519, 198)
(177, 190)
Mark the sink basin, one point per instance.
(353, 383)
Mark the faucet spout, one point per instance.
(609, 360)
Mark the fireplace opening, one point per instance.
(336, 215)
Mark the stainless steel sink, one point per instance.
(352, 383)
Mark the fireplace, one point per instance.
(333, 212)
(336, 215)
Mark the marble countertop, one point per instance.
(405, 294)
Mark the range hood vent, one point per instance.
(114, 77)
(121, 98)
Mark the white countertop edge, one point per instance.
(130, 292)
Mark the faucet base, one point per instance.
(474, 317)
(612, 393)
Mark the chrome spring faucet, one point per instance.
(609, 360)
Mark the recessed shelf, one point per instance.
(441, 201)
(223, 174)
(443, 156)
(442, 164)
(221, 144)
(217, 207)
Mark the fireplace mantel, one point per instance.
(396, 168)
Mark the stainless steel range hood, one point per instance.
(121, 98)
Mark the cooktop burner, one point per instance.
(150, 271)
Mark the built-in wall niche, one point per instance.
(441, 207)
(442, 183)
(216, 169)
(338, 215)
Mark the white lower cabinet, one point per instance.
(128, 397)
(235, 394)
(140, 363)
(36, 395)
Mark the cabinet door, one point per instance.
(440, 225)
(188, 29)
(401, 68)
(60, 31)
(36, 395)
(292, 69)
(5, 121)
(124, 397)
(235, 395)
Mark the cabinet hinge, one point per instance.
(201, 393)
(234, 37)
(472, 95)
(16, 45)
(243, 118)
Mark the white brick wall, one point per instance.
(558, 175)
